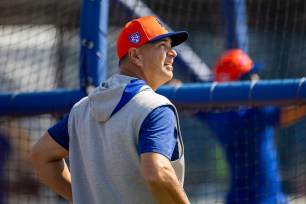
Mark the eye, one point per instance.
(162, 45)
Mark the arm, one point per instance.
(47, 158)
(291, 114)
(161, 179)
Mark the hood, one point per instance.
(107, 99)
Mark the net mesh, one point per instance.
(38, 47)
(39, 50)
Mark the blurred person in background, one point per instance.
(246, 136)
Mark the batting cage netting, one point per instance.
(237, 149)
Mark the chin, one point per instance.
(170, 76)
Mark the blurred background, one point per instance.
(40, 50)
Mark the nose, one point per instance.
(172, 52)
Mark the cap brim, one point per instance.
(177, 37)
(255, 69)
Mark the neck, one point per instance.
(139, 75)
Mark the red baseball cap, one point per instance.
(232, 65)
(145, 29)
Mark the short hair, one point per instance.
(123, 59)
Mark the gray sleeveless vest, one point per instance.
(104, 161)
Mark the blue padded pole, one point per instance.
(93, 34)
(195, 95)
(262, 92)
(36, 103)
(234, 15)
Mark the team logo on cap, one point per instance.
(135, 38)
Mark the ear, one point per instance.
(135, 56)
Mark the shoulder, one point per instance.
(146, 102)
(165, 112)
(147, 97)
(79, 105)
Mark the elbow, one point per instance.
(157, 170)
(154, 183)
(35, 157)
(157, 178)
(39, 153)
(153, 179)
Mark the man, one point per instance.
(246, 136)
(123, 140)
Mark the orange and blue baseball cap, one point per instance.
(143, 30)
(233, 65)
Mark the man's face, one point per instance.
(157, 58)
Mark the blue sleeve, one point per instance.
(272, 115)
(158, 133)
(59, 132)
